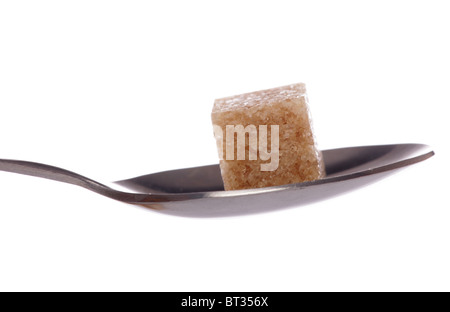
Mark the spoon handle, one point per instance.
(44, 171)
(65, 176)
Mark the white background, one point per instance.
(115, 89)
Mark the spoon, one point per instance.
(198, 192)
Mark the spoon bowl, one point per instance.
(199, 192)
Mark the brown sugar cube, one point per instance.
(265, 138)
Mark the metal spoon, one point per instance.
(198, 192)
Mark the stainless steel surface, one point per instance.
(198, 192)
